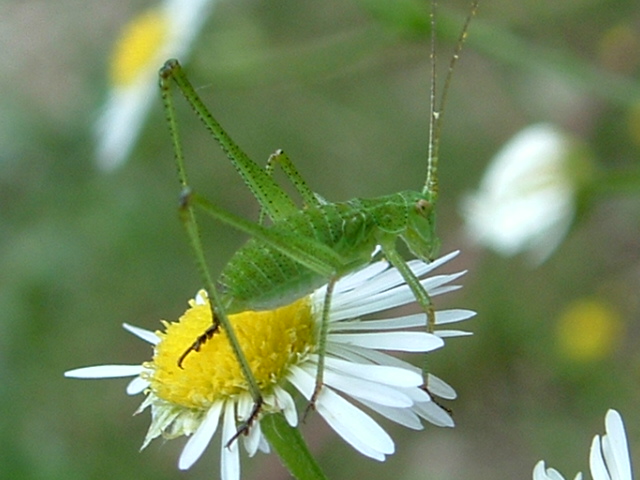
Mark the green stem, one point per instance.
(291, 448)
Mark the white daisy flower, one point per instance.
(527, 198)
(281, 349)
(163, 32)
(608, 458)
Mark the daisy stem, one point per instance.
(291, 448)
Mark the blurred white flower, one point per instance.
(608, 459)
(162, 32)
(527, 198)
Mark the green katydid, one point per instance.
(304, 248)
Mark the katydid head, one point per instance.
(420, 233)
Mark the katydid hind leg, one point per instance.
(269, 169)
(309, 252)
(275, 202)
(271, 197)
(280, 158)
(190, 223)
(309, 198)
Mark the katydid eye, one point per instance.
(423, 207)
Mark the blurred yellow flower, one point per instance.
(162, 32)
(137, 46)
(588, 330)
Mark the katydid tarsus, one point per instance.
(302, 248)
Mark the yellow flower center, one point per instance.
(136, 49)
(271, 340)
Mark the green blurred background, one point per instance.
(343, 87)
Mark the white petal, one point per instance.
(401, 416)
(391, 297)
(409, 321)
(230, 455)
(400, 341)
(264, 445)
(417, 394)
(201, 438)
(366, 390)
(453, 315)
(351, 423)
(105, 371)
(617, 450)
(444, 289)
(244, 408)
(452, 333)
(362, 276)
(420, 268)
(201, 297)
(252, 440)
(287, 405)
(442, 260)
(357, 354)
(136, 386)
(434, 285)
(354, 426)
(542, 473)
(395, 376)
(371, 303)
(433, 413)
(161, 418)
(143, 334)
(120, 122)
(384, 280)
(596, 462)
(439, 387)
